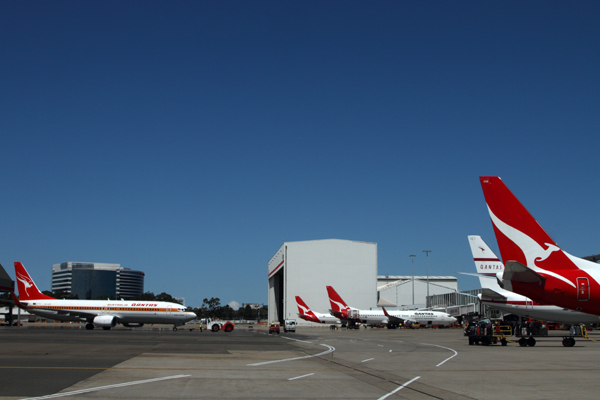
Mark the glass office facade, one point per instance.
(96, 280)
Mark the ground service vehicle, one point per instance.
(486, 333)
(289, 325)
(274, 328)
(216, 326)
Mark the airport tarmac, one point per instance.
(313, 363)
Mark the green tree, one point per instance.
(211, 308)
(166, 297)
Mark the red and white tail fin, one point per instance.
(305, 312)
(488, 266)
(27, 288)
(520, 237)
(339, 308)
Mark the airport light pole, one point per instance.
(412, 257)
(427, 257)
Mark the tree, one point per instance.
(166, 297)
(211, 308)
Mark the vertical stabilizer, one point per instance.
(488, 266)
(339, 308)
(27, 288)
(305, 312)
(520, 237)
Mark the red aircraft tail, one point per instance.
(520, 237)
(305, 312)
(27, 288)
(339, 308)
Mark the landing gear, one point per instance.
(568, 342)
(89, 326)
(174, 329)
(106, 328)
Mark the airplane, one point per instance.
(534, 265)
(393, 318)
(101, 313)
(488, 266)
(307, 314)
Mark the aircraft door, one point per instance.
(583, 289)
(529, 304)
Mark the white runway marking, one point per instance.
(303, 376)
(296, 340)
(399, 388)
(52, 396)
(331, 349)
(368, 359)
(447, 348)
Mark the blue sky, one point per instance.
(189, 139)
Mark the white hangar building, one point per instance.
(305, 268)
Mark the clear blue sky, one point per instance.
(188, 139)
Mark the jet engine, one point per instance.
(105, 321)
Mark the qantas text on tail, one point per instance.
(488, 266)
(102, 313)
(534, 264)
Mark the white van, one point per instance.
(289, 325)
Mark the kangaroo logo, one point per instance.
(303, 310)
(531, 249)
(26, 281)
(339, 306)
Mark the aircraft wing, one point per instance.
(391, 318)
(337, 314)
(515, 271)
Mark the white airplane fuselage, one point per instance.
(125, 312)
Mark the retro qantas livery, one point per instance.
(307, 314)
(534, 265)
(340, 309)
(488, 266)
(101, 313)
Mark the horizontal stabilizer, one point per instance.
(469, 274)
(517, 272)
(491, 295)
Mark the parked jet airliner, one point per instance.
(102, 313)
(488, 266)
(307, 314)
(340, 309)
(534, 265)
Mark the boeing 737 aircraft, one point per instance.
(307, 314)
(534, 265)
(340, 309)
(488, 266)
(102, 313)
